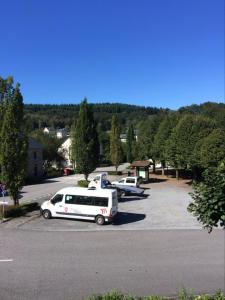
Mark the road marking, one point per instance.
(6, 260)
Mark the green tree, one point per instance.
(130, 143)
(14, 143)
(212, 150)
(116, 154)
(85, 143)
(180, 147)
(146, 135)
(209, 198)
(51, 154)
(161, 137)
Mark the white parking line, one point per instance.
(6, 260)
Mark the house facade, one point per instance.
(35, 159)
(65, 151)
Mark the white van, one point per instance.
(82, 203)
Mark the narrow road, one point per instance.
(73, 265)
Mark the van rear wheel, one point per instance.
(47, 214)
(100, 220)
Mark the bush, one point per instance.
(12, 211)
(183, 295)
(115, 173)
(52, 172)
(83, 183)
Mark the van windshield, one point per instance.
(57, 198)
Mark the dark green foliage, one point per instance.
(39, 116)
(12, 211)
(116, 154)
(130, 144)
(209, 198)
(146, 135)
(183, 139)
(13, 147)
(51, 146)
(85, 143)
(212, 150)
(104, 141)
(162, 136)
(83, 183)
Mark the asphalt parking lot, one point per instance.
(164, 207)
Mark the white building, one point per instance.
(65, 151)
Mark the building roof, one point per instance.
(140, 163)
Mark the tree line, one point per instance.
(59, 116)
(185, 140)
(191, 139)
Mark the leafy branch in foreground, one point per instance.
(209, 198)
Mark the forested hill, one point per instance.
(40, 115)
(60, 116)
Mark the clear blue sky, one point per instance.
(167, 53)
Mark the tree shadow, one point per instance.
(132, 198)
(157, 180)
(126, 218)
(49, 181)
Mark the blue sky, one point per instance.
(164, 53)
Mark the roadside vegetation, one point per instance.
(12, 211)
(189, 141)
(183, 295)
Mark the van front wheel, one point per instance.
(47, 214)
(100, 220)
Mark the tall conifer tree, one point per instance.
(13, 147)
(85, 144)
(130, 143)
(115, 143)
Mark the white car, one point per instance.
(129, 181)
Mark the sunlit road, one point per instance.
(71, 265)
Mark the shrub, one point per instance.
(183, 295)
(83, 183)
(115, 173)
(12, 211)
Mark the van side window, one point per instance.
(101, 201)
(57, 198)
(86, 200)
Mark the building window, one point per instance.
(35, 154)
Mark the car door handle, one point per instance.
(60, 206)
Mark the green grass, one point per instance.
(183, 295)
(12, 211)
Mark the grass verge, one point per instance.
(12, 211)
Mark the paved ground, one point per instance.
(164, 207)
(41, 192)
(72, 265)
(66, 259)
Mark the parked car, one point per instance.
(101, 182)
(129, 181)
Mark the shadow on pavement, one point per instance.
(128, 199)
(126, 218)
(157, 180)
